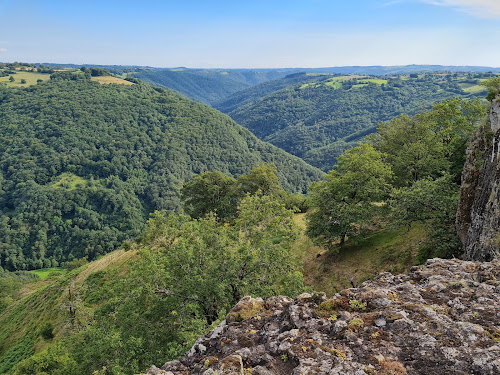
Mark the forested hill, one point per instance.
(254, 93)
(83, 164)
(318, 120)
(207, 86)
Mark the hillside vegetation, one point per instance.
(319, 119)
(206, 86)
(83, 164)
(386, 205)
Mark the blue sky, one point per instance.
(251, 34)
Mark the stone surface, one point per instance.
(441, 318)
(478, 215)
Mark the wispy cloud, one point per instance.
(3, 50)
(480, 8)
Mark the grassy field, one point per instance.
(45, 272)
(68, 181)
(30, 77)
(362, 258)
(109, 79)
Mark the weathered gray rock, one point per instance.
(442, 318)
(478, 215)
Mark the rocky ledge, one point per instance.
(441, 318)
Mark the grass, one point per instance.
(30, 77)
(68, 181)
(20, 323)
(109, 79)
(45, 272)
(334, 82)
(361, 258)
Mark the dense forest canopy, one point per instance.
(207, 86)
(319, 120)
(83, 164)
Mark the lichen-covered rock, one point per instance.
(441, 318)
(479, 209)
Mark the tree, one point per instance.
(264, 177)
(217, 193)
(433, 203)
(430, 143)
(208, 266)
(345, 200)
(210, 192)
(11, 79)
(23, 81)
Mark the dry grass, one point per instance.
(362, 258)
(115, 259)
(109, 79)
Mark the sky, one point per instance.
(251, 34)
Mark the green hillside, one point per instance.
(254, 93)
(83, 164)
(206, 86)
(318, 120)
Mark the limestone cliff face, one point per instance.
(478, 217)
(441, 318)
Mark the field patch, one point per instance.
(46, 272)
(69, 181)
(31, 78)
(105, 80)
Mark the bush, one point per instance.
(76, 263)
(47, 331)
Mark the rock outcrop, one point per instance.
(478, 216)
(441, 318)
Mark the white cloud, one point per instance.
(3, 50)
(480, 8)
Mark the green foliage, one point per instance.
(47, 331)
(420, 159)
(430, 143)
(54, 361)
(210, 192)
(207, 86)
(10, 285)
(98, 72)
(83, 164)
(317, 121)
(433, 202)
(189, 274)
(76, 263)
(493, 86)
(344, 202)
(220, 194)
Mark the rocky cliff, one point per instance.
(441, 318)
(478, 215)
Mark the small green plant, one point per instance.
(357, 305)
(284, 357)
(357, 322)
(207, 362)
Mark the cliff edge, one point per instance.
(441, 318)
(478, 223)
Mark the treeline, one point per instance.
(318, 121)
(83, 164)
